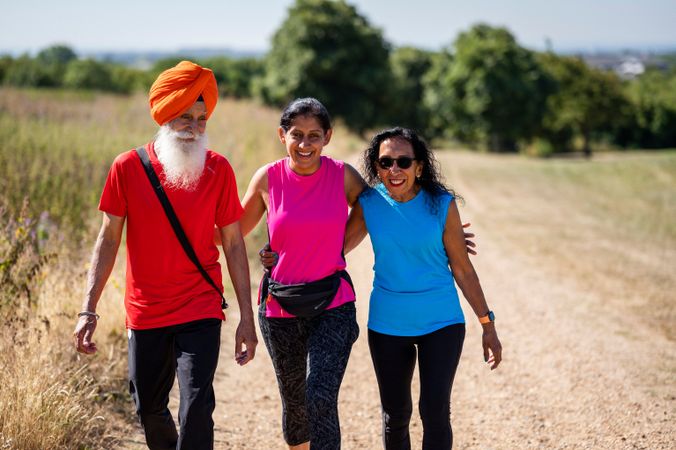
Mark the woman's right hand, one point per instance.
(268, 257)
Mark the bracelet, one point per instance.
(88, 313)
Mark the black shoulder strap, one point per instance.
(175, 224)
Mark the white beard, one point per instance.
(182, 161)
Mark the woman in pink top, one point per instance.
(306, 197)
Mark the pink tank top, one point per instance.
(306, 221)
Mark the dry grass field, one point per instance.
(576, 257)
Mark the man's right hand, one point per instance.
(84, 331)
(103, 260)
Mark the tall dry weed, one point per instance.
(48, 398)
(45, 403)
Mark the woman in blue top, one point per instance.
(419, 248)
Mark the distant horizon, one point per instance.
(257, 52)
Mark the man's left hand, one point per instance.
(245, 341)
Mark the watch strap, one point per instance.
(488, 318)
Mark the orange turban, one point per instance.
(178, 88)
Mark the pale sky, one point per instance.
(86, 25)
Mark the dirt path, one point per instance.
(576, 374)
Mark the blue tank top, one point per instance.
(413, 288)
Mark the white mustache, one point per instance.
(187, 134)
(182, 160)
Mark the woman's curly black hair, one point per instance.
(430, 180)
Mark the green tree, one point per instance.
(487, 90)
(88, 74)
(26, 72)
(587, 103)
(56, 54)
(235, 76)
(5, 63)
(409, 66)
(326, 49)
(125, 80)
(653, 96)
(53, 61)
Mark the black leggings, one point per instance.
(394, 360)
(310, 357)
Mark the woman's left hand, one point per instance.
(268, 257)
(492, 345)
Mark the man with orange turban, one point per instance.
(173, 308)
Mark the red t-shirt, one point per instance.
(163, 286)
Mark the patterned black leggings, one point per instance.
(310, 394)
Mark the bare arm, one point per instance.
(254, 202)
(468, 281)
(238, 268)
(355, 230)
(103, 260)
(354, 184)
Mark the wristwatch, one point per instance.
(488, 318)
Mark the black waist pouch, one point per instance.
(307, 299)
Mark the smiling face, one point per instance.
(304, 141)
(400, 183)
(192, 123)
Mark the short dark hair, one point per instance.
(430, 180)
(307, 106)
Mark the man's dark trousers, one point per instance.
(156, 356)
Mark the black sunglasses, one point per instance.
(403, 162)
